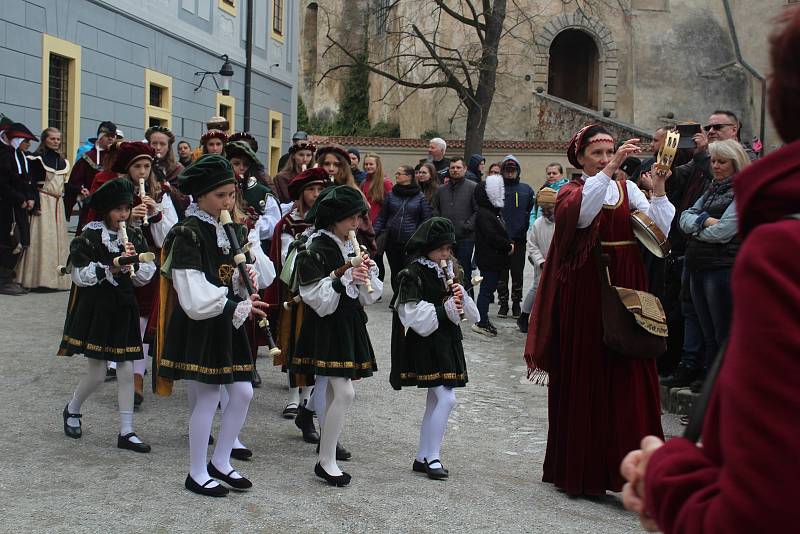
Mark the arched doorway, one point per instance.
(573, 69)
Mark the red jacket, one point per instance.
(375, 207)
(745, 478)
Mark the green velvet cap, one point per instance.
(209, 172)
(430, 235)
(111, 194)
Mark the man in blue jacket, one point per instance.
(516, 213)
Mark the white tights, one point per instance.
(203, 400)
(440, 402)
(339, 396)
(140, 366)
(93, 379)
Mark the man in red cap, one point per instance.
(17, 197)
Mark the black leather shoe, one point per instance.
(256, 379)
(124, 442)
(72, 431)
(419, 467)
(522, 322)
(305, 422)
(241, 454)
(338, 481)
(436, 473)
(216, 491)
(111, 374)
(235, 483)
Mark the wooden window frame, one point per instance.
(164, 112)
(71, 51)
(230, 101)
(280, 37)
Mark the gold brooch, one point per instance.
(225, 273)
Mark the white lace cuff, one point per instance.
(452, 311)
(242, 312)
(350, 287)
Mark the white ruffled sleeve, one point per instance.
(268, 219)
(198, 297)
(169, 218)
(263, 265)
(419, 316)
(90, 275)
(365, 297)
(470, 309)
(320, 296)
(660, 209)
(144, 274)
(593, 196)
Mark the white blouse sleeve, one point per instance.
(419, 316)
(169, 218)
(593, 196)
(266, 223)
(320, 296)
(198, 297)
(660, 209)
(286, 240)
(263, 265)
(87, 276)
(470, 309)
(144, 274)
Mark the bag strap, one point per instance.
(694, 429)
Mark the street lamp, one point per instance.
(225, 72)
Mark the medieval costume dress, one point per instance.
(600, 403)
(83, 173)
(49, 243)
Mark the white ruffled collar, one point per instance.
(105, 235)
(222, 239)
(436, 267)
(345, 248)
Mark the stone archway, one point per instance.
(608, 65)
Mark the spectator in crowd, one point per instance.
(494, 168)
(424, 174)
(299, 138)
(455, 200)
(713, 244)
(540, 235)
(516, 213)
(184, 153)
(375, 188)
(493, 245)
(475, 167)
(301, 155)
(84, 170)
(355, 158)
(49, 242)
(743, 479)
(555, 180)
(658, 141)
(404, 208)
(436, 150)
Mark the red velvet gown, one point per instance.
(600, 403)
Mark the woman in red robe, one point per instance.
(743, 478)
(600, 403)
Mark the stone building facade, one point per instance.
(72, 64)
(644, 63)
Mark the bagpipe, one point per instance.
(240, 259)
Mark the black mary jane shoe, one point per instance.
(124, 442)
(436, 473)
(74, 432)
(419, 467)
(235, 483)
(342, 454)
(242, 453)
(338, 481)
(215, 491)
(305, 422)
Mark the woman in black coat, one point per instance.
(493, 248)
(402, 211)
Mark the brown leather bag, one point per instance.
(634, 322)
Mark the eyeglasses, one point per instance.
(709, 127)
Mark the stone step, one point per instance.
(677, 400)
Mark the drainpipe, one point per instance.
(749, 68)
(248, 69)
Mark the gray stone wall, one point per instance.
(120, 39)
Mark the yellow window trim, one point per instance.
(281, 37)
(275, 143)
(163, 113)
(230, 101)
(227, 8)
(54, 45)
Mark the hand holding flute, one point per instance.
(455, 289)
(142, 194)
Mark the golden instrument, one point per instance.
(240, 259)
(649, 234)
(666, 155)
(142, 194)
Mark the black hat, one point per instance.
(111, 194)
(687, 132)
(240, 149)
(353, 150)
(430, 235)
(108, 128)
(206, 174)
(244, 136)
(5, 122)
(19, 130)
(335, 204)
(300, 135)
(630, 165)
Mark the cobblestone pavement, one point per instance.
(494, 449)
